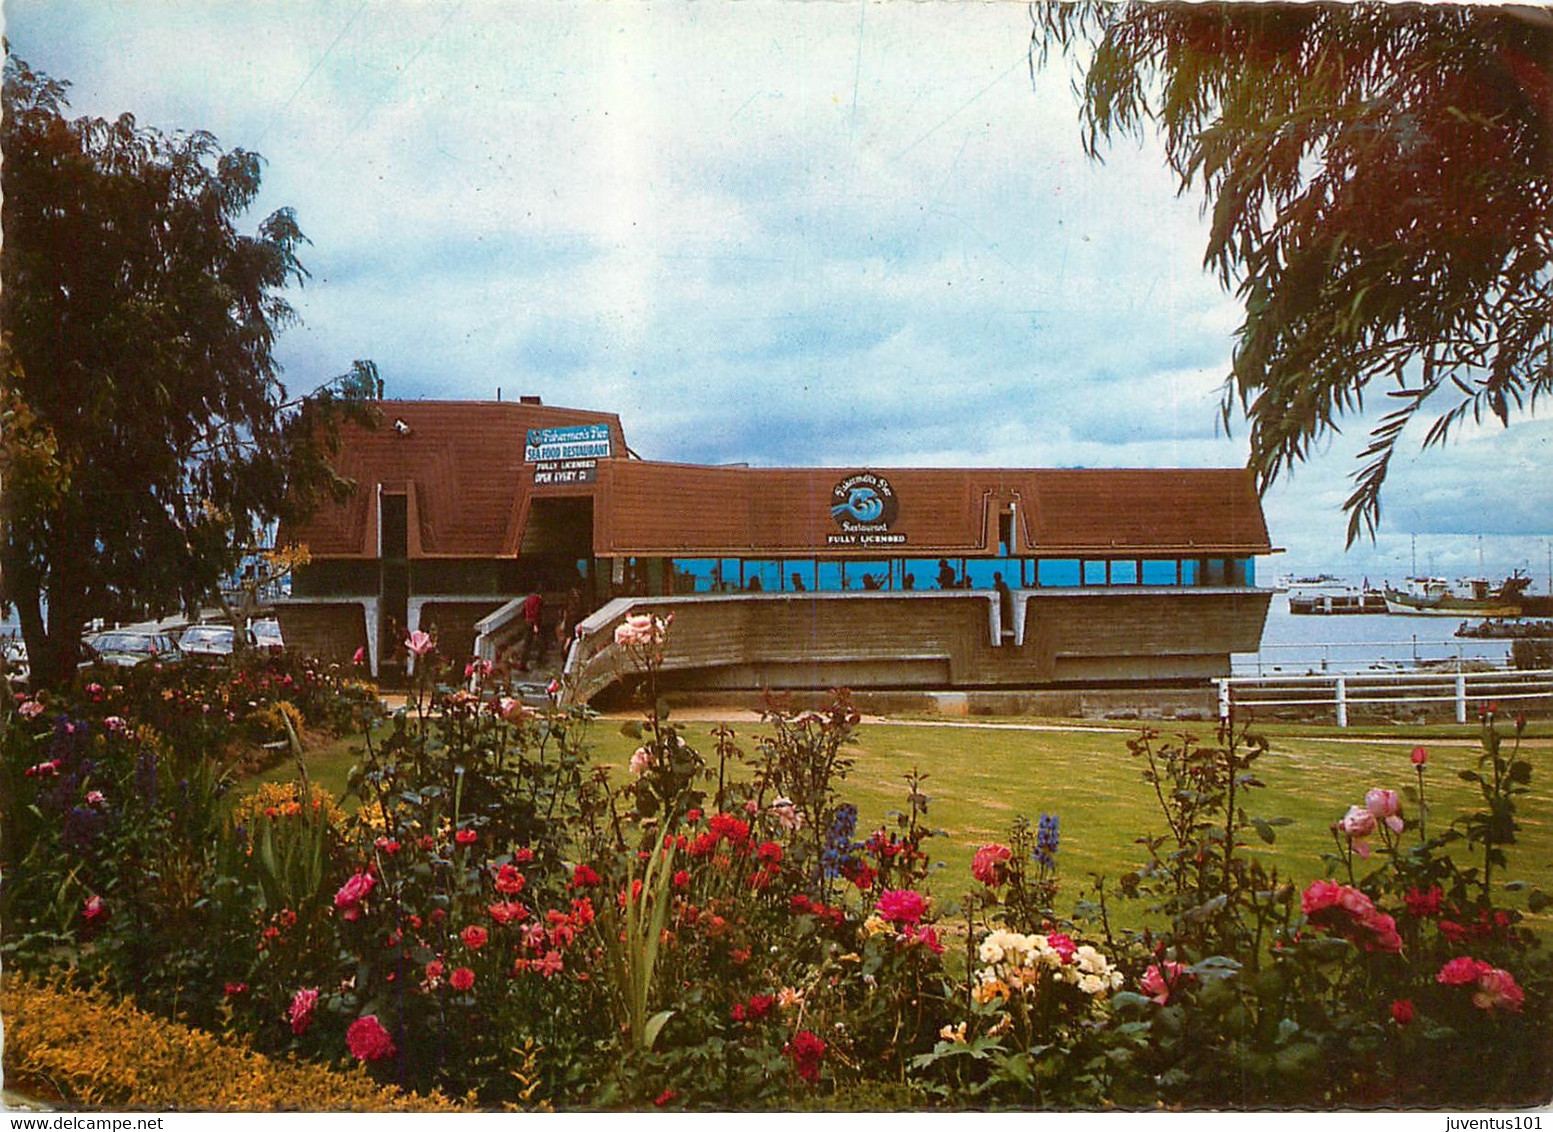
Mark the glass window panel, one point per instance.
(1247, 568)
(828, 576)
(1189, 571)
(1057, 572)
(798, 574)
(762, 575)
(694, 575)
(1124, 572)
(1094, 573)
(729, 575)
(982, 571)
(1159, 571)
(866, 574)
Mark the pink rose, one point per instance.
(642, 630)
(419, 643)
(1358, 824)
(1063, 945)
(1497, 990)
(989, 864)
(368, 1041)
(303, 1003)
(1161, 979)
(1386, 806)
(1384, 929)
(1461, 971)
(902, 906)
(95, 908)
(1420, 756)
(640, 761)
(353, 893)
(1321, 895)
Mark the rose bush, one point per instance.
(492, 914)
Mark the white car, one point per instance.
(265, 634)
(207, 640)
(13, 650)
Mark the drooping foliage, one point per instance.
(147, 432)
(1379, 179)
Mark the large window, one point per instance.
(833, 575)
(798, 574)
(868, 575)
(763, 575)
(1057, 572)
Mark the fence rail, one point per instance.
(1343, 692)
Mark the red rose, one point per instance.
(461, 979)
(368, 1041)
(474, 937)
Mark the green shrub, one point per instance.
(89, 1050)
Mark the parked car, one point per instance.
(266, 634)
(207, 641)
(130, 648)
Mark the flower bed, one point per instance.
(499, 917)
(91, 1051)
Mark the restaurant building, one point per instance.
(866, 577)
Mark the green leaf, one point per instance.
(655, 1026)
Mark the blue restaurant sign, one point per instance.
(581, 442)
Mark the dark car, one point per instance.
(130, 648)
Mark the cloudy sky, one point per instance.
(784, 232)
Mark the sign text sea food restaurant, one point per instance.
(580, 442)
(864, 506)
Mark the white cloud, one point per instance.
(772, 231)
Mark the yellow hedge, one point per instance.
(105, 1053)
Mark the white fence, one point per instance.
(1512, 690)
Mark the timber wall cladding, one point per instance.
(1072, 635)
(453, 625)
(327, 631)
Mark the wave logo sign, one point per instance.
(864, 502)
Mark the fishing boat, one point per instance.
(1473, 597)
(1338, 602)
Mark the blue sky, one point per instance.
(783, 232)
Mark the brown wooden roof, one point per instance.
(650, 508)
(461, 465)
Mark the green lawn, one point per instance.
(981, 776)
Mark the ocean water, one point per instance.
(1312, 644)
(1359, 643)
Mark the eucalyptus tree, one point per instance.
(1379, 183)
(146, 430)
